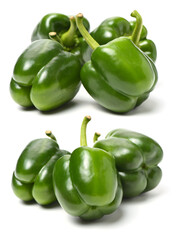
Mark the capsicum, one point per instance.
(137, 157)
(32, 178)
(86, 183)
(45, 76)
(119, 75)
(66, 31)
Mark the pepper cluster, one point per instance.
(89, 182)
(115, 63)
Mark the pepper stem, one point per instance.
(54, 36)
(83, 137)
(96, 136)
(88, 38)
(68, 38)
(138, 27)
(50, 134)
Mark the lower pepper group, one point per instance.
(89, 182)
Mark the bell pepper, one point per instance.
(45, 76)
(86, 183)
(32, 178)
(116, 27)
(136, 157)
(119, 75)
(66, 31)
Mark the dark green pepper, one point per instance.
(32, 178)
(45, 76)
(119, 75)
(86, 183)
(116, 27)
(136, 157)
(66, 31)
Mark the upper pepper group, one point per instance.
(115, 63)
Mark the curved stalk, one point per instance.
(83, 137)
(135, 37)
(88, 38)
(68, 38)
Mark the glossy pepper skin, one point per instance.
(60, 23)
(32, 178)
(116, 27)
(137, 157)
(45, 76)
(86, 183)
(119, 75)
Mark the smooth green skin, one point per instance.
(43, 185)
(45, 76)
(136, 157)
(119, 76)
(116, 27)
(149, 48)
(86, 183)
(22, 190)
(110, 29)
(20, 94)
(60, 23)
(32, 178)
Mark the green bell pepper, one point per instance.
(136, 157)
(116, 27)
(66, 31)
(86, 183)
(119, 75)
(32, 178)
(45, 76)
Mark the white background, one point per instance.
(150, 216)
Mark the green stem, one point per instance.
(68, 38)
(54, 36)
(138, 27)
(83, 137)
(50, 134)
(96, 136)
(88, 38)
